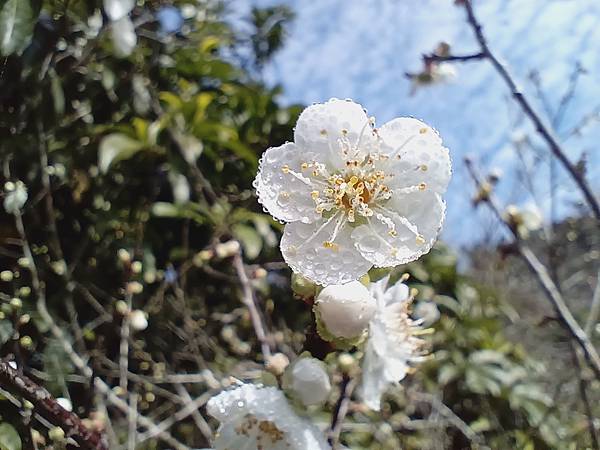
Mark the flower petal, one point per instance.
(281, 188)
(255, 417)
(323, 126)
(416, 154)
(416, 218)
(304, 249)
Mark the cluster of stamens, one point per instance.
(356, 190)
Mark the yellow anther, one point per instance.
(285, 169)
(344, 131)
(422, 186)
(393, 233)
(284, 194)
(315, 173)
(323, 132)
(423, 130)
(304, 166)
(330, 245)
(353, 180)
(314, 194)
(424, 167)
(420, 239)
(319, 209)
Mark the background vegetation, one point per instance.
(137, 170)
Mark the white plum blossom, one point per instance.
(260, 418)
(15, 196)
(354, 196)
(345, 310)
(308, 380)
(393, 343)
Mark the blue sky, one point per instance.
(361, 49)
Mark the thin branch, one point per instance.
(249, 301)
(543, 130)
(48, 408)
(543, 277)
(341, 409)
(453, 58)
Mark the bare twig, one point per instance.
(543, 277)
(341, 409)
(453, 58)
(249, 301)
(594, 308)
(543, 130)
(48, 407)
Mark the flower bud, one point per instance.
(277, 363)
(137, 320)
(345, 309)
(57, 434)
(65, 403)
(309, 381)
(227, 249)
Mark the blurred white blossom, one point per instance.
(393, 343)
(309, 381)
(117, 9)
(427, 312)
(123, 36)
(138, 320)
(15, 196)
(354, 196)
(260, 418)
(345, 310)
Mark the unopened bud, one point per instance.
(137, 320)
(309, 381)
(57, 434)
(134, 287)
(277, 363)
(345, 310)
(227, 249)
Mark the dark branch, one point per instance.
(454, 58)
(544, 131)
(49, 409)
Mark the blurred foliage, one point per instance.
(149, 161)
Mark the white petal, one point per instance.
(123, 37)
(117, 9)
(251, 416)
(417, 218)
(302, 248)
(416, 154)
(321, 126)
(285, 196)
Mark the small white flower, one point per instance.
(354, 196)
(260, 418)
(124, 39)
(345, 309)
(393, 343)
(309, 381)
(117, 9)
(15, 196)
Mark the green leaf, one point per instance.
(250, 239)
(17, 21)
(116, 147)
(9, 438)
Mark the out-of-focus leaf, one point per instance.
(58, 95)
(250, 239)
(116, 147)
(9, 438)
(17, 20)
(447, 374)
(180, 186)
(6, 331)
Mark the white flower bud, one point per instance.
(227, 249)
(15, 197)
(137, 319)
(65, 403)
(345, 309)
(309, 381)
